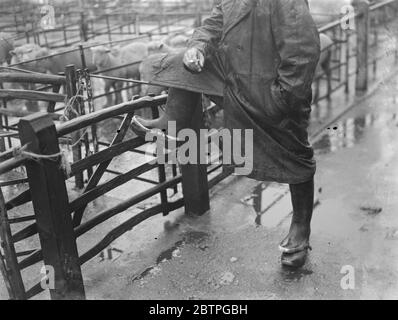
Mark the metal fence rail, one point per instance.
(353, 51)
(75, 23)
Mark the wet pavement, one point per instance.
(232, 252)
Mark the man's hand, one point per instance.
(194, 60)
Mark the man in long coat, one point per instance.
(257, 59)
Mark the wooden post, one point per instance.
(51, 206)
(329, 82)
(93, 33)
(2, 140)
(83, 27)
(194, 176)
(4, 122)
(160, 20)
(396, 54)
(108, 28)
(362, 28)
(71, 91)
(161, 169)
(129, 24)
(16, 21)
(198, 18)
(347, 60)
(166, 17)
(51, 104)
(64, 32)
(82, 57)
(137, 24)
(45, 37)
(338, 53)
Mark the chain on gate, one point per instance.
(91, 108)
(86, 94)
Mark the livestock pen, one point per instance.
(48, 213)
(84, 52)
(51, 188)
(76, 21)
(367, 38)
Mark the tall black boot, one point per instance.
(296, 244)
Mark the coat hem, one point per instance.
(262, 175)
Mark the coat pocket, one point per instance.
(256, 91)
(278, 101)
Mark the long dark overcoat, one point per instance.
(261, 56)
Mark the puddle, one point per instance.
(264, 197)
(166, 255)
(348, 133)
(269, 200)
(372, 211)
(144, 274)
(169, 253)
(196, 238)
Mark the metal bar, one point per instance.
(31, 95)
(13, 182)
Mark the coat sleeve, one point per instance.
(297, 42)
(209, 34)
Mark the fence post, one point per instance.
(51, 206)
(71, 92)
(64, 33)
(194, 176)
(9, 262)
(108, 26)
(137, 24)
(362, 29)
(347, 61)
(198, 18)
(4, 122)
(160, 20)
(2, 140)
(83, 27)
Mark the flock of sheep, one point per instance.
(98, 58)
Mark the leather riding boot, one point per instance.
(295, 246)
(180, 107)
